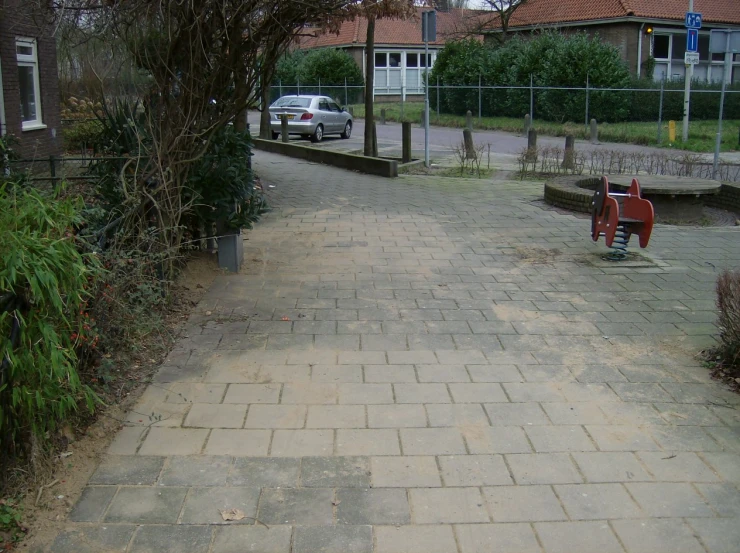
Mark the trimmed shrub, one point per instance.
(728, 305)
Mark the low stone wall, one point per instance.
(564, 192)
(728, 198)
(370, 165)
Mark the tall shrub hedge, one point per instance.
(556, 60)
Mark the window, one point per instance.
(324, 105)
(381, 60)
(334, 107)
(28, 80)
(412, 60)
(395, 59)
(660, 46)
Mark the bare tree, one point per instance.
(491, 16)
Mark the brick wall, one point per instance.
(18, 19)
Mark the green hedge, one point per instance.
(555, 60)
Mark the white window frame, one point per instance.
(405, 86)
(680, 34)
(32, 61)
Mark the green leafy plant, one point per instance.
(83, 134)
(49, 279)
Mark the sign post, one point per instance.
(693, 24)
(428, 34)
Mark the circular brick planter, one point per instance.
(573, 192)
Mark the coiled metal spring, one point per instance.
(619, 245)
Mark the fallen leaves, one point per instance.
(232, 514)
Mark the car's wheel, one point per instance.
(275, 135)
(318, 134)
(347, 130)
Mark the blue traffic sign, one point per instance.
(692, 40)
(693, 20)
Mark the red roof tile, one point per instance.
(547, 12)
(389, 31)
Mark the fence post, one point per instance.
(469, 120)
(531, 98)
(480, 98)
(284, 128)
(402, 94)
(298, 81)
(53, 169)
(382, 116)
(527, 124)
(405, 141)
(346, 98)
(469, 145)
(568, 161)
(660, 111)
(531, 145)
(280, 87)
(587, 98)
(437, 97)
(319, 86)
(594, 132)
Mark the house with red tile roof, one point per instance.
(640, 29)
(399, 51)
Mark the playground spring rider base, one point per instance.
(617, 221)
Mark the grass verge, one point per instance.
(702, 134)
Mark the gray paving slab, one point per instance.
(401, 359)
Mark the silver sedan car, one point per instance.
(310, 116)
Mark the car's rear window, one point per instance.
(292, 102)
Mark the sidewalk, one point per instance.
(423, 365)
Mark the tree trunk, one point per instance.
(369, 86)
(265, 130)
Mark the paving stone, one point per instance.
(390, 373)
(375, 342)
(621, 438)
(597, 501)
(466, 357)
(336, 373)
(127, 470)
(276, 416)
(421, 393)
(718, 535)
(252, 539)
(447, 505)
(574, 413)
(477, 393)
(543, 468)
(265, 472)
(687, 415)
(362, 358)
(577, 537)
(372, 506)
(611, 467)
(368, 442)
(309, 393)
(432, 441)
(684, 438)
(201, 471)
(309, 506)
(723, 498)
(677, 467)
(523, 504)
(533, 391)
(631, 414)
(172, 539)
(442, 373)
(335, 472)
(415, 539)
(174, 441)
(92, 503)
(93, 539)
(195, 393)
(559, 438)
(494, 373)
(648, 536)
(650, 393)
(404, 472)
(502, 439)
(474, 470)
(668, 500)
(365, 394)
(208, 415)
(396, 416)
(301, 443)
(726, 464)
(141, 505)
(127, 441)
(446, 415)
(501, 538)
(333, 539)
(252, 393)
(516, 414)
(241, 443)
(203, 505)
(336, 416)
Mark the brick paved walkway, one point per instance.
(428, 366)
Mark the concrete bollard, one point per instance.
(382, 116)
(594, 132)
(421, 119)
(531, 145)
(469, 120)
(406, 142)
(284, 128)
(671, 131)
(469, 145)
(527, 124)
(568, 156)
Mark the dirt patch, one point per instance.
(50, 497)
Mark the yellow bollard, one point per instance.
(671, 131)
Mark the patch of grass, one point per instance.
(702, 134)
(11, 529)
